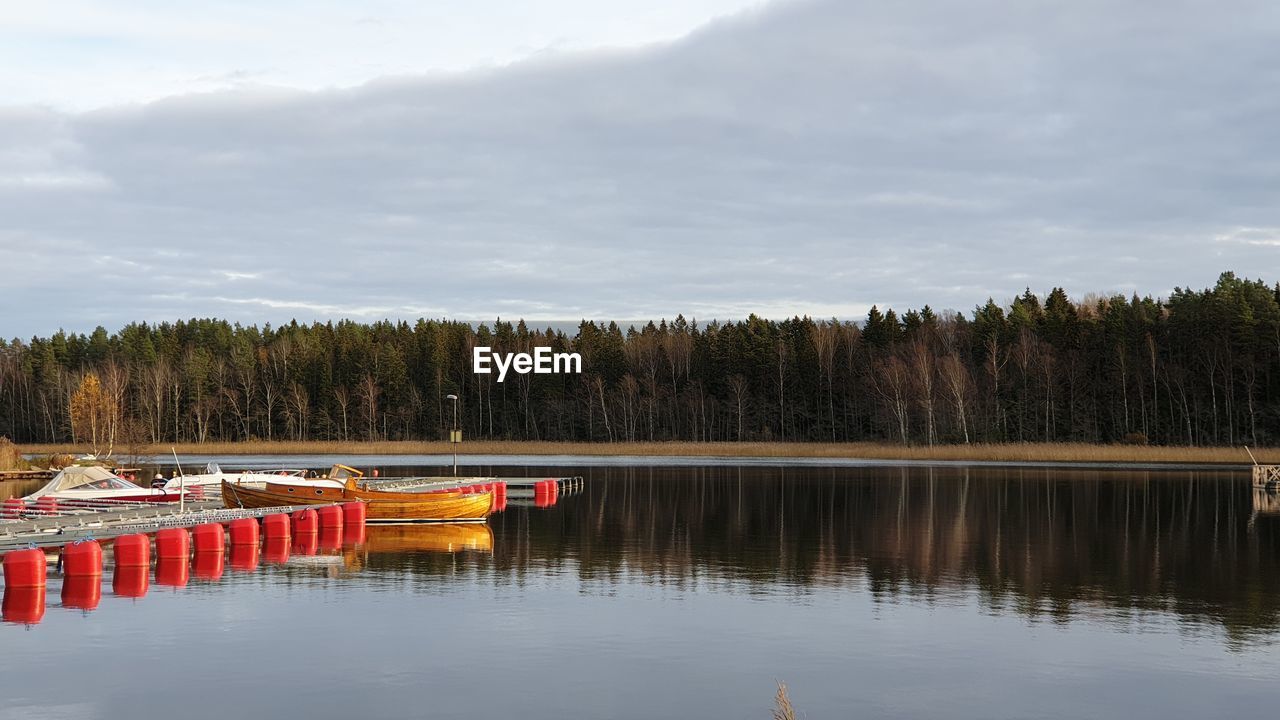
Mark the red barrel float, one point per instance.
(244, 558)
(195, 492)
(208, 565)
(243, 532)
(25, 568)
(305, 522)
(354, 514)
(23, 604)
(353, 534)
(131, 581)
(13, 508)
(276, 527)
(82, 558)
(276, 550)
(209, 538)
(83, 592)
(133, 551)
(329, 516)
(47, 505)
(172, 543)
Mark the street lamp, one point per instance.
(455, 437)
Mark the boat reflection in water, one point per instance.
(417, 539)
(451, 537)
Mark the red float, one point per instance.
(14, 507)
(208, 565)
(353, 534)
(172, 572)
(243, 532)
(276, 550)
(83, 592)
(173, 543)
(133, 551)
(47, 505)
(25, 568)
(353, 514)
(23, 605)
(209, 538)
(131, 581)
(329, 516)
(276, 527)
(82, 558)
(244, 558)
(305, 522)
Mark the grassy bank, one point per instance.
(1020, 452)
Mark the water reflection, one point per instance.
(1049, 543)
(1033, 541)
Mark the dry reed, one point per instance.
(782, 709)
(1007, 452)
(10, 456)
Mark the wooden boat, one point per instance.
(384, 505)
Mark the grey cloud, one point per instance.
(808, 157)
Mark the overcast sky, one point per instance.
(628, 159)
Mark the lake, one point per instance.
(667, 590)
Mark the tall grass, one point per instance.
(782, 709)
(10, 456)
(1012, 452)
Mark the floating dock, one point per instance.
(72, 523)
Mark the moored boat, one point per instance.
(213, 476)
(384, 505)
(90, 482)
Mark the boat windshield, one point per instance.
(212, 469)
(343, 472)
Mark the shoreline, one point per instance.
(1003, 452)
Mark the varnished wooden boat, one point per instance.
(441, 537)
(384, 505)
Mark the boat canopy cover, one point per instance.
(77, 477)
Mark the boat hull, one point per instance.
(383, 506)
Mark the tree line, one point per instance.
(1198, 368)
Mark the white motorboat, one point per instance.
(213, 476)
(90, 482)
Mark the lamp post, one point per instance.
(454, 437)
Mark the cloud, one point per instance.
(1256, 236)
(812, 157)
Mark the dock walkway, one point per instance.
(63, 528)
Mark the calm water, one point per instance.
(657, 592)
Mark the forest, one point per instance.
(1201, 367)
